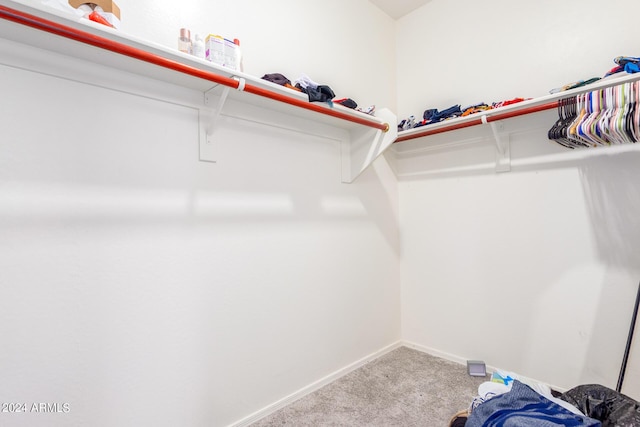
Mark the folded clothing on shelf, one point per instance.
(628, 64)
(574, 85)
(433, 115)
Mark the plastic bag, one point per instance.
(604, 404)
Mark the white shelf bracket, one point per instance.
(503, 146)
(364, 146)
(208, 119)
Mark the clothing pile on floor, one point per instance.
(522, 403)
(316, 92)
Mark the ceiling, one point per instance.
(398, 8)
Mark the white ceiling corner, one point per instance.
(399, 8)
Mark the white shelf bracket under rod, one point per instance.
(503, 146)
(364, 145)
(208, 119)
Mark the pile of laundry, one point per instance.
(511, 400)
(627, 64)
(316, 92)
(433, 115)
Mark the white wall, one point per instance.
(535, 270)
(143, 287)
(470, 52)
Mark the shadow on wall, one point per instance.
(612, 196)
(374, 192)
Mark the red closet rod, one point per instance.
(478, 121)
(123, 49)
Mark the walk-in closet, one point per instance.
(191, 243)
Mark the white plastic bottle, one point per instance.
(198, 47)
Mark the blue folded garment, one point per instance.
(523, 407)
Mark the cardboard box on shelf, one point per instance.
(214, 49)
(110, 8)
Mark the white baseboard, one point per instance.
(437, 353)
(463, 361)
(313, 387)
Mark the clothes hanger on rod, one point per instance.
(573, 128)
(609, 116)
(566, 114)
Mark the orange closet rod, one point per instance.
(478, 121)
(123, 49)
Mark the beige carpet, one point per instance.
(402, 388)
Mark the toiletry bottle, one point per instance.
(198, 47)
(184, 41)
